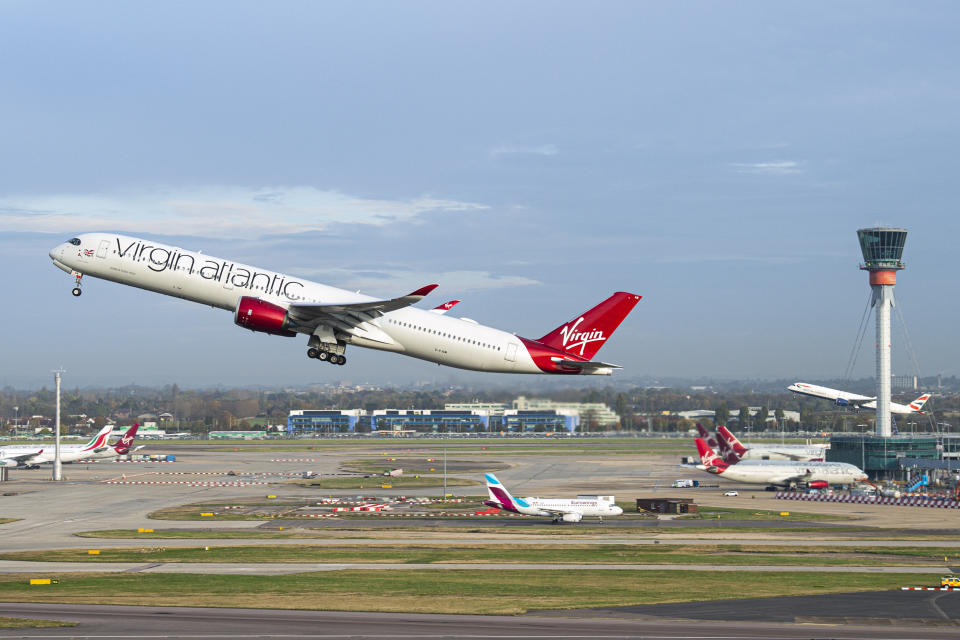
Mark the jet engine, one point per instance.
(572, 517)
(818, 484)
(258, 315)
(843, 403)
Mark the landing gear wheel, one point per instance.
(313, 353)
(341, 360)
(76, 291)
(322, 355)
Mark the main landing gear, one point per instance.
(76, 289)
(332, 358)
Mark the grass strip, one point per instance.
(715, 555)
(452, 592)
(30, 623)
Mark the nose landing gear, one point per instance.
(76, 289)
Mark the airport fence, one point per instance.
(903, 501)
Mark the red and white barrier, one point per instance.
(903, 501)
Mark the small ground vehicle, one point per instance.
(731, 493)
(951, 581)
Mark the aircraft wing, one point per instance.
(587, 366)
(796, 477)
(351, 316)
(26, 458)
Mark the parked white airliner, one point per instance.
(732, 449)
(780, 473)
(560, 509)
(847, 399)
(31, 456)
(284, 305)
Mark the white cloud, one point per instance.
(772, 168)
(213, 211)
(397, 282)
(514, 149)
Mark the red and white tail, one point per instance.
(122, 446)
(728, 440)
(709, 438)
(584, 335)
(917, 404)
(709, 457)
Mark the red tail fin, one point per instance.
(731, 440)
(709, 439)
(122, 446)
(708, 456)
(584, 335)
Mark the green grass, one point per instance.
(29, 623)
(731, 513)
(454, 592)
(466, 553)
(402, 482)
(6, 520)
(418, 465)
(190, 534)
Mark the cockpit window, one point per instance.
(74, 241)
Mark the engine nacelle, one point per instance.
(843, 403)
(572, 517)
(818, 484)
(258, 315)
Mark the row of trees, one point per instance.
(226, 409)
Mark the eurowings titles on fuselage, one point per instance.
(332, 318)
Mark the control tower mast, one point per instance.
(882, 249)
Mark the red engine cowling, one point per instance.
(818, 484)
(258, 315)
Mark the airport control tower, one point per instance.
(882, 248)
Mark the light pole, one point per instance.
(57, 467)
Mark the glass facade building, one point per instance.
(882, 247)
(306, 423)
(881, 457)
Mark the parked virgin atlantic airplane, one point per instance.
(284, 305)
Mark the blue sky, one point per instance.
(532, 158)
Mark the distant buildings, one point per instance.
(523, 416)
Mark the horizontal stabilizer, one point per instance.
(586, 367)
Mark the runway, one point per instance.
(270, 569)
(197, 623)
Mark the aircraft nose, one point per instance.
(53, 253)
(617, 510)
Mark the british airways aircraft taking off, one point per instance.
(283, 305)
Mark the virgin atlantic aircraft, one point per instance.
(332, 318)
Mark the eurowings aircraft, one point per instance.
(847, 399)
(731, 449)
(781, 473)
(565, 510)
(332, 318)
(31, 456)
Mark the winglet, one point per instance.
(422, 291)
(446, 306)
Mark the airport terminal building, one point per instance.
(310, 422)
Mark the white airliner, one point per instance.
(283, 305)
(566, 510)
(31, 456)
(847, 399)
(119, 448)
(733, 451)
(780, 473)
